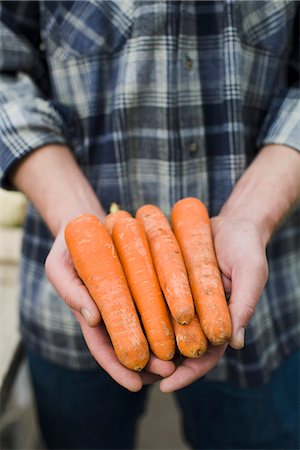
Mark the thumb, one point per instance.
(62, 275)
(248, 281)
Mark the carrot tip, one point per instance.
(218, 341)
(197, 354)
(184, 321)
(184, 318)
(170, 355)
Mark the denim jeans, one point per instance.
(88, 410)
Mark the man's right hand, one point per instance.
(54, 183)
(62, 275)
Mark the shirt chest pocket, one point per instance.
(74, 29)
(266, 25)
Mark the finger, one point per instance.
(248, 281)
(192, 369)
(158, 367)
(101, 348)
(227, 285)
(61, 273)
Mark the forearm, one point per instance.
(268, 189)
(54, 183)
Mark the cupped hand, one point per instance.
(62, 275)
(241, 254)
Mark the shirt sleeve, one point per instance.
(282, 123)
(28, 119)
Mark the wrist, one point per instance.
(267, 191)
(58, 225)
(52, 180)
(257, 216)
(78, 198)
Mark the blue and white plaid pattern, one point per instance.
(158, 100)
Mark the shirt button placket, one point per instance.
(188, 63)
(192, 147)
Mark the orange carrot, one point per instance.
(168, 262)
(133, 250)
(191, 226)
(115, 215)
(97, 264)
(190, 339)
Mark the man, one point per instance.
(149, 102)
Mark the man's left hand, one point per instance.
(241, 254)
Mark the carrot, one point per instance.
(97, 264)
(133, 250)
(190, 339)
(191, 226)
(115, 215)
(168, 262)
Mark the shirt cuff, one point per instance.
(26, 126)
(282, 124)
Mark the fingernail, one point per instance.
(86, 314)
(240, 337)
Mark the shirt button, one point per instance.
(192, 147)
(188, 63)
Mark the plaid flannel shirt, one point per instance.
(158, 100)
